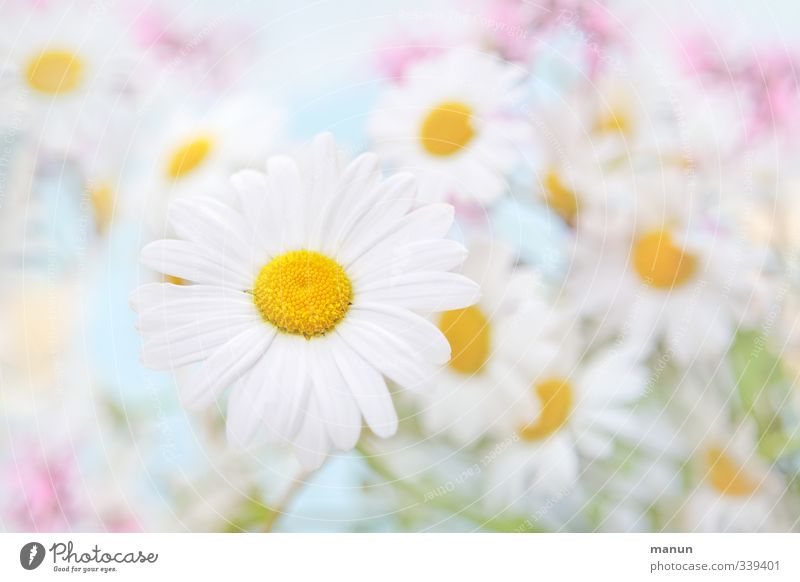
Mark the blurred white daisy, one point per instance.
(566, 177)
(735, 488)
(67, 69)
(629, 114)
(451, 121)
(303, 298)
(35, 340)
(638, 487)
(662, 275)
(581, 409)
(574, 170)
(478, 389)
(197, 152)
(728, 484)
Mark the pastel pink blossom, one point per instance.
(38, 492)
(766, 80)
(518, 27)
(513, 23)
(395, 57)
(215, 53)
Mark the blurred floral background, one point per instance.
(624, 179)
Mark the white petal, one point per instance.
(285, 185)
(618, 423)
(386, 207)
(210, 222)
(198, 263)
(151, 295)
(424, 255)
(428, 222)
(387, 353)
(416, 331)
(559, 463)
(287, 387)
(355, 193)
(274, 396)
(227, 365)
(312, 444)
(261, 210)
(594, 444)
(369, 390)
(612, 376)
(247, 402)
(428, 292)
(164, 306)
(192, 342)
(338, 408)
(324, 173)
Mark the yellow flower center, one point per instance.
(468, 332)
(54, 72)
(560, 198)
(102, 198)
(303, 293)
(188, 156)
(447, 129)
(555, 398)
(614, 121)
(726, 476)
(175, 280)
(660, 263)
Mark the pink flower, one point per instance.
(601, 33)
(38, 491)
(517, 27)
(214, 53)
(767, 80)
(398, 55)
(123, 524)
(512, 23)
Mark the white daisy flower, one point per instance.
(304, 297)
(735, 490)
(34, 343)
(197, 152)
(664, 275)
(575, 171)
(629, 114)
(452, 123)
(476, 392)
(67, 68)
(729, 485)
(639, 486)
(593, 141)
(567, 180)
(581, 408)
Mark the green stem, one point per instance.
(283, 503)
(453, 505)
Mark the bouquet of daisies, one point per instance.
(552, 286)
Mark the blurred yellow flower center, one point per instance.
(726, 476)
(188, 156)
(447, 129)
(175, 280)
(555, 398)
(54, 72)
(468, 332)
(660, 263)
(560, 198)
(615, 121)
(303, 293)
(101, 196)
